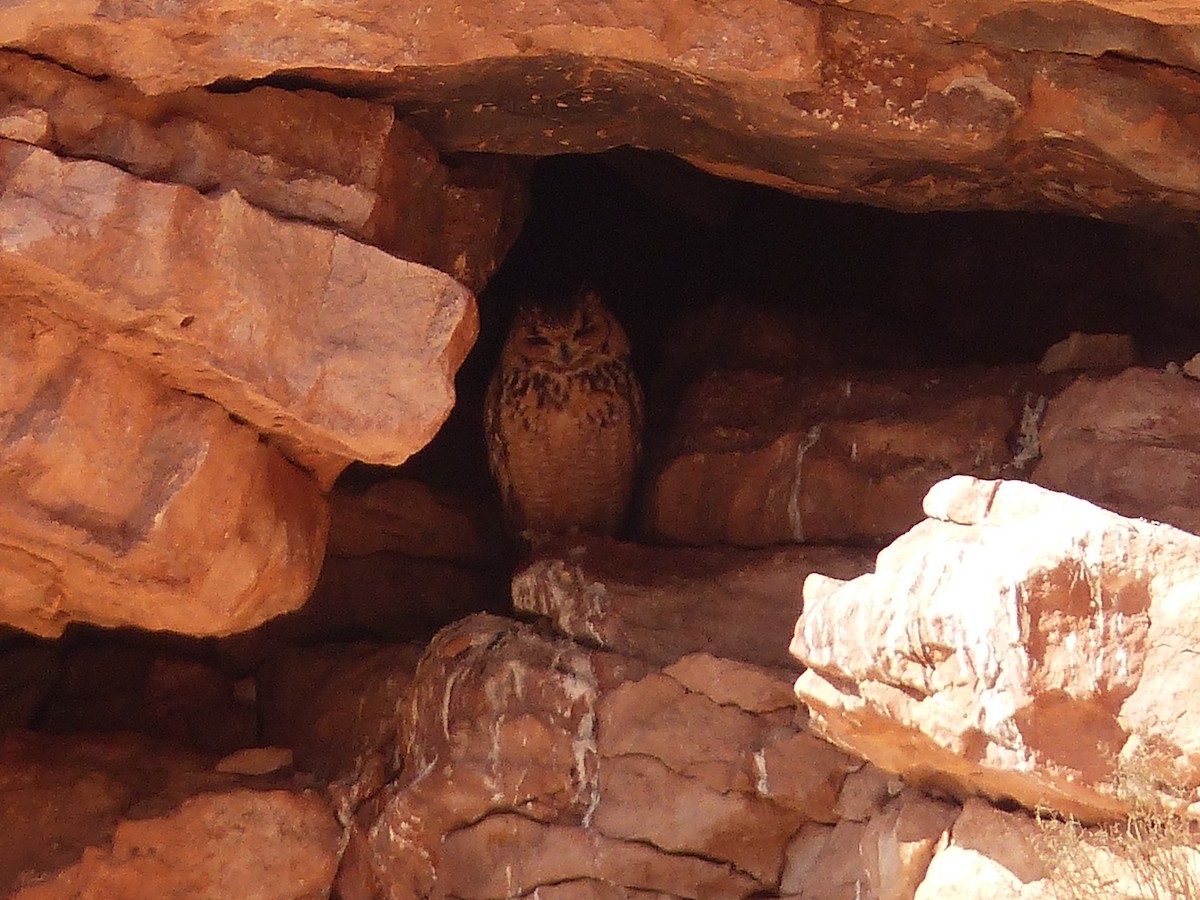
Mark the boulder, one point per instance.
(660, 604)
(123, 817)
(755, 459)
(302, 154)
(531, 761)
(123, 502)
(1127, 443)
(1019, 644)
(335, 347)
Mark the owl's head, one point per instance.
(571, 336)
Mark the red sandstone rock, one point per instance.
(1089, 351)
(299, 154)
(125, 503)
(532, 762)
(1077, 625)
(659, 604)
(1127, 443)
(898, 843)
(409, 518)
(1058, 107)
(336, 346)
(125, 687)
(403, 561)
(123, 818)
(333, 705)
(756, 459)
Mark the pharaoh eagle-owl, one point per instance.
(563, 420)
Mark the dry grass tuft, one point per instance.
(1154, 854)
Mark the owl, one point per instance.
(563, 420)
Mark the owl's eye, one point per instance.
(585, 330)
(538, 341)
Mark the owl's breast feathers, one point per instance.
(564, 444)
(601, 395)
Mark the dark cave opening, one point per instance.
(703, 270)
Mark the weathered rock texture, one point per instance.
(756, 459)
(121, 817)
(336, 346)
(532, 761)
(1017, 643)
(1062, 107)
(119, 495)
(1127, 443)
(304, 154)
(403, 561)
(661, 604)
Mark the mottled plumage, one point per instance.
(563, 420)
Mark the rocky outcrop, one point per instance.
(403, 561)
(1056, 108)
(1127, 443)
(284, 324)
(588, 766)
(662, 604)
(120, 495)
(123, 817)
(1019, 644)
(133, 302)
(305, 155)
(755, 459)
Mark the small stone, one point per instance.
(1089, 351)
(1191, 368)
(256, 761)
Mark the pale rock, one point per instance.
(661, 604)
(1127, 443)
(256, 761)
(127, 503)
(980, 650)
(335, 347)
(899, 842)
(824, 862)
(302, 154)
(991, 854)
(756, 459)
(1089, 351)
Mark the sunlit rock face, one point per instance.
(1070, 107)
(996, 634)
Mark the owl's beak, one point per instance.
(564, 353)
